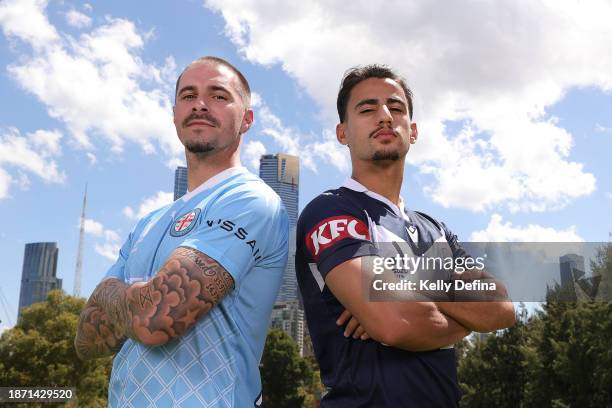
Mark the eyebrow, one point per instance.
(213, 88)
(186, 88)
(373, 101)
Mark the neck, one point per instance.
(382, 177)
(201, 169)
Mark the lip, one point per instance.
(199, 122)
(385, 133)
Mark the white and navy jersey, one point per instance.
(346, 223)
(240, 222)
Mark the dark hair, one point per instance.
(245, 92)
(360, 73)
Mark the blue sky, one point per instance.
(513, 103)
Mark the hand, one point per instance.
(353, 327)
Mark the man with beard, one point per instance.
(188, 302)
(397, 352)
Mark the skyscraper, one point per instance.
(38, 274)
(289, 317)
(571, 268)
(281, 172)
(180, 182)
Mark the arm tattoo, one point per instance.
(188, 285)
(97, 335)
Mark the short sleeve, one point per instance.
(242, 228)
(453, 243)
(118, 269)
(332, 230)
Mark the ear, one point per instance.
(414, 133)
(341, 134)
(247, 121)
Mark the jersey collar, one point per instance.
(354, 185)
(214, 180)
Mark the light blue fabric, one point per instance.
(240, 222)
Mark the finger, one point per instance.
(350, 327)
(343, 317)
(365, 336)
(358, 332)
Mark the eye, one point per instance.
(187, 97)
(220, 97)
(366, 110)
(397, 110)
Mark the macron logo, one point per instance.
(334, 229)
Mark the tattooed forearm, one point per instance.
(188, 285)
(97, 334)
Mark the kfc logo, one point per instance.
(334, 229)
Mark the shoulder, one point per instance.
(427, 219)
(248, 189)
(153, 216)
(331, 202)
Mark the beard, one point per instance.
(199, 147)
(382, 155)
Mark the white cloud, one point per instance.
(5, 182)
(96, 84)
(93, 227)
(23, 19)
(77, 19)
(609, 195)
(109, 250)
(252, 153)
(92, 158)
(602, 129)
(149, 204)
(110, 244)
(495, 67)
(291, 141)
(499, 231)
(32, 153)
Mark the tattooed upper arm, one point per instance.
(187, 286)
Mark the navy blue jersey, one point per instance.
(340, 225)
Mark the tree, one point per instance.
(560, 357)
(492, 372)
(39, 351)
(284, 373)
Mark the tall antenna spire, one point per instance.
(79, 262)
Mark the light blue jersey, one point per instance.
(236, 219)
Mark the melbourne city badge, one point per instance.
(185, 223)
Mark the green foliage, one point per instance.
(39, 351)
(560, 357)
(284, 373)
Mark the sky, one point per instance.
(513, 102)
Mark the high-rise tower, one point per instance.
(38, 276)
(180, 182)
(281, 172)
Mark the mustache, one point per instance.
(381, 128)
(203, 116)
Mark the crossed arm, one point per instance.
(186, 287)
(410, 324)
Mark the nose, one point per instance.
(384, 115)
(199, 105)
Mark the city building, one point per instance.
(38, 276)
(281, 172)
(289, 317)
(180, 182)
(571, 268)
